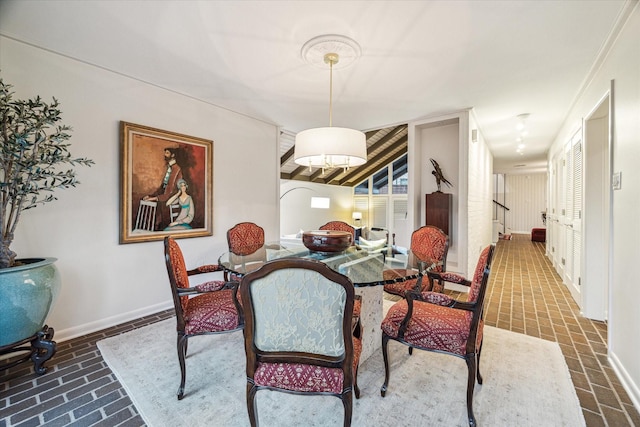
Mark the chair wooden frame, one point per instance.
(181, 291)
(473, 346)
(256, 356)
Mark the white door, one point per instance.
(559, 214)
(574, 221)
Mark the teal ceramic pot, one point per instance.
(27, 293)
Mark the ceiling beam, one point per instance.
(287, 156)
(398, 149)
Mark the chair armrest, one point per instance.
(209, 268)
(212, 286)
(437, 298)
(445, 276)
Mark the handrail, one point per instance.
(501, 205)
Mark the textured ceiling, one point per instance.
(419, 59)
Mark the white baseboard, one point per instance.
(625, 379)
(77, 331)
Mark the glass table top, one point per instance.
(364, 268)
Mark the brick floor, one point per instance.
(525, 295)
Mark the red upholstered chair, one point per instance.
(208, 308)
(436, 322)
(298, 333)
(341, 226)
(245, 238)
(246, 241)
(429, 245)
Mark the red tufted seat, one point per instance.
(436, 322)
(207, 308)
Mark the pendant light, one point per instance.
(330, 147)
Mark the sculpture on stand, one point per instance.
(437, 172)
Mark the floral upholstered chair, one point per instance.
(299, 334)
(340, 226)
(429, 245)
(436, 322)
(208, 308)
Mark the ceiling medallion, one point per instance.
(313, 52)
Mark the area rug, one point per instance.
(526, 383)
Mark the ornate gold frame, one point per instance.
(143, 166)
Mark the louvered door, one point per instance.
(570, 219)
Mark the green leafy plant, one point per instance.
(34, 153)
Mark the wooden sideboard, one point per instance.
(438, 210)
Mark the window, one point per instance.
(381, 182)
(362, 188)
(400, 176)
(385, 206)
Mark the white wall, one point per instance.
(297, 214)
(525, 196)
(468, 165)
(105, 283)
(622, 65)
(479, 165)
(438, 140)
(441, 144)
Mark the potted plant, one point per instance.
(34, 161)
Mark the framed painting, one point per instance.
(166, 184)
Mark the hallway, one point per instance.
(526, 295)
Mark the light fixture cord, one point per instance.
(330, 92)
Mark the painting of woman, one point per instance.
(187, 209)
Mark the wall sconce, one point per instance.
(320, 202)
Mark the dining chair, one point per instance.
(299, 332)
(208, 308)
(340, 226)
(245, 238)
(429, 246)
(246, 243)
(436, 322)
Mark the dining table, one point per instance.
(369, 271)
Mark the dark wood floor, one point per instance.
(525, 295)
